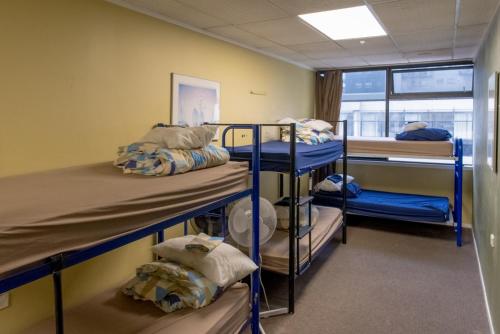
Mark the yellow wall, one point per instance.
(81, 77)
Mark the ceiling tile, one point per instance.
(345, 62)
(372, 2)
(465, 53)
(321, 50)
(476, 11)
(425, 40)
(284, 52)
(470, 35)
(385, 59)
(289, 31)
(374, 45)
(314, 63)
(296, 7)
(241, 36)
(237, 11)
(407, 16)
(429, 55)
(178, 12)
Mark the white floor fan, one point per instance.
(240, 225)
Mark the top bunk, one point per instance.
(382, 147)
(275, 155)
(289, 156)
(48, 213)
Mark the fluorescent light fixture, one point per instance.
(346, 23)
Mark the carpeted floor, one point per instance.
(390, 277)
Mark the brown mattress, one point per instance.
(275, 251)
(398, 148)
(113, 312)
(43, 214)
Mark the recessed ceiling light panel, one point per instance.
(346, 23)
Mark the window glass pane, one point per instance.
(364, 85)
(364, 118)
(455, 115)
(432, 81)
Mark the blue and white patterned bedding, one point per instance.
(151, 159)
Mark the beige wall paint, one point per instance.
(81, 77)
(487, 183)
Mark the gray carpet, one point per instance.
(390, 277)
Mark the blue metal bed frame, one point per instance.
(457, 189)
(458, 155)
(55, 264)
(294, 195)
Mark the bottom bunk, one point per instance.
(113, 312)
(275, 252)
(397, 206)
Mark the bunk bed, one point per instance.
(399, 206)
(53, 220)
(292, 252)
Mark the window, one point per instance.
(454, 80)
(363, 103)
(438, 95)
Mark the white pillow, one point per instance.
(181, 138)
(224, 265)
(319, 125)
(415, 126)
(328, 185)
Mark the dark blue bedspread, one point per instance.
(275, 155)
(408, 207)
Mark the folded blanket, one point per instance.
(203, 243)
(151, 159)
(307, 135)
(171, 286)
(425, 134)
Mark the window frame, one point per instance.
(427, 68)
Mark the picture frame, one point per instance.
(194, 101)
(492, 126)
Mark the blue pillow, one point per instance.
(353, 190)
(426, 134)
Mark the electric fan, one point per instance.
(240, 222)
(240, 227)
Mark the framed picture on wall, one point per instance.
(492, 129)
(194, 100)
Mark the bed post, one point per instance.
(291, 226)
(344, 182)
(458, 175)
(58, 296)
(255, 300)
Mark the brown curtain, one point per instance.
(328, 100)
(328, 95)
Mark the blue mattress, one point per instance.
(408, 207)
(275, 155)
